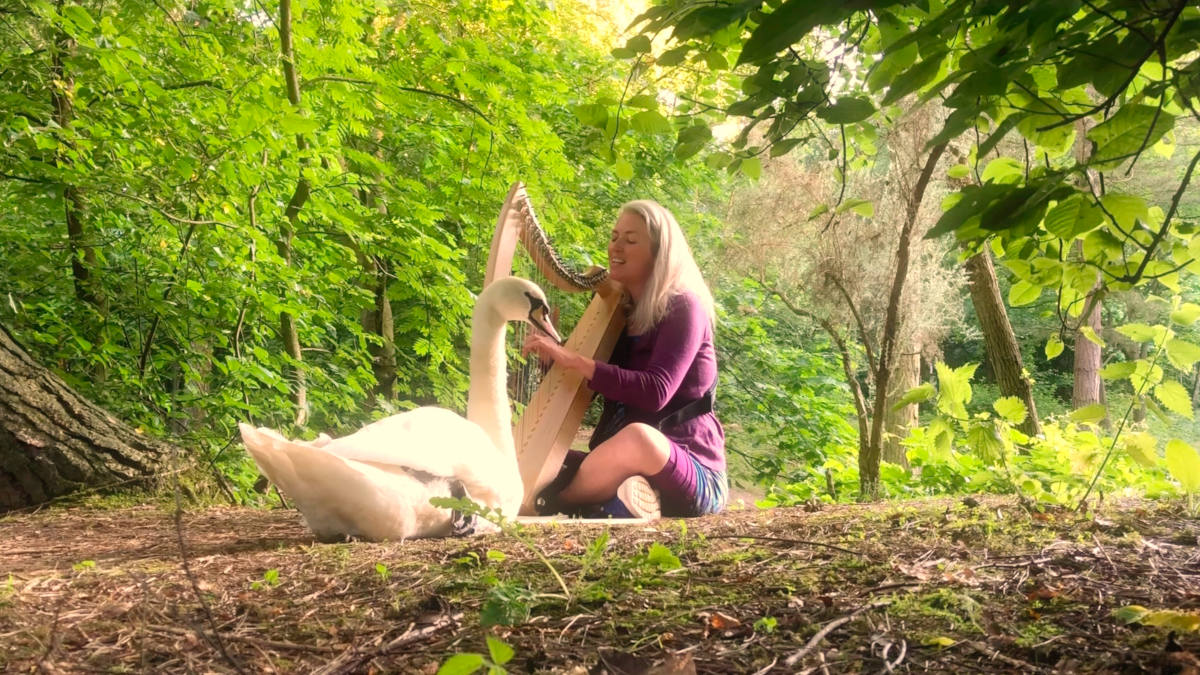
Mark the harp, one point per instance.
(545, 429)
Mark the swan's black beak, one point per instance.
(539, 316)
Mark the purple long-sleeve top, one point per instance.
(671, 363)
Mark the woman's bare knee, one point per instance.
(643, 449)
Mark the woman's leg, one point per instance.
(637, 449)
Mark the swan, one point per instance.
(375, 484)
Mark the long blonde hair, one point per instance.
(674, 270)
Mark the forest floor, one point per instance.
(916, 586)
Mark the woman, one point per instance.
(657, 389)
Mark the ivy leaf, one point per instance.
(1142, 447)
(917, 394)
(1184, 465)
(1011, 408)
(1182, 354)
(1176, 399)
(1089, 414)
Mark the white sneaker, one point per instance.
(640, 498)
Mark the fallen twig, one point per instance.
(352, 660)
(829, 627)
(987, 651)
(783, 540)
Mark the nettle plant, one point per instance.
(981, 451)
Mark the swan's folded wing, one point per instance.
(340, 497)
(438, 442)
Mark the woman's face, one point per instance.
(630, 258)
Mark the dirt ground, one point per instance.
(922, 586)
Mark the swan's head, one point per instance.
(517, 299)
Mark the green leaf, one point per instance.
(500, 652)
(1003, 170)
(716, 61)
(915, 77)
(297, 124)
(1054, 346)
(958, 171)
(1118, 370)
(673, 57)
(1187, 622)
(1073, 217)
(862, 207)
(1187, 314)
(80, 17)
(784, 27)
(1089, 414)
(1090, 333)
(1184, 465)
(1174, 397)
(1123, 134)
(638, 44)
(917, 394)
(1182, 354)
(1142, 447)
(784, 146)
(1011, 408)
(984, 439)
(752, 167)
(461, 664)
(1138, 332)
(1130, 614)
(954, 388)
(1024, 293)
(592, 114)
(651, 122)
(643, 101)
(623, 169)
(847, 110)
(661, 557)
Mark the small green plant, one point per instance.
(766, 624)
(270, 579)
(499, 653)
(382, 571)
(1188, 622)
(660, 558)
(84, 565)
(1184, 464)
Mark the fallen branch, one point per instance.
(352, 660)
(829, 628)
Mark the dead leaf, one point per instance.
(722, 621)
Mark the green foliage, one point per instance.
(499, 653)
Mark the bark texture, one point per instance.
(1003, 354)
(54, 442)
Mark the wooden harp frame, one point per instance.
(553, 415)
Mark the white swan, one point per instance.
(376, 483)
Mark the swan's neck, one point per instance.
(487, 401)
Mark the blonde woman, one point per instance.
(658, 432)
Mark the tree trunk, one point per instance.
(1003, 354)
(287, 322)
(905, 376)
(1088, 388)
(868, 462)
(82, 252)
(54, 442)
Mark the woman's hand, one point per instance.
(550, 351)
